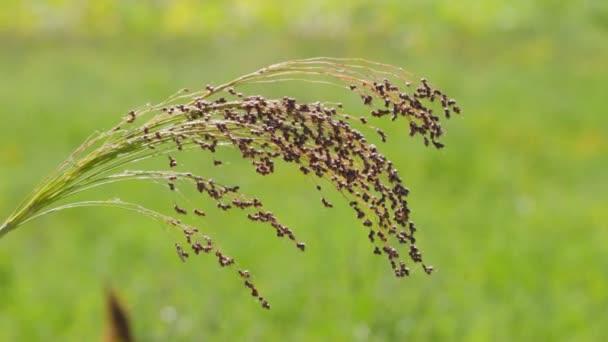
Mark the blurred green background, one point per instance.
(512, 213)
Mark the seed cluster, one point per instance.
(324, 143)
(226, 198)
(320, 138)
(191, 234)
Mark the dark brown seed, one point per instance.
(428, 269)
(132, 116)
(172, 162)
(326, 203)
(180, 210)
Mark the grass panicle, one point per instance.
(320, 138)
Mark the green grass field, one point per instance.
(512, 213)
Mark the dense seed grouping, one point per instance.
(320, 138)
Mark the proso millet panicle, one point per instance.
(322, 139)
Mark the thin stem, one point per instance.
(108, 203)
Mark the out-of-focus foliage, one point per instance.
(512, 213)
(314, 17)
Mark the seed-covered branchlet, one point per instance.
(322, 139)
